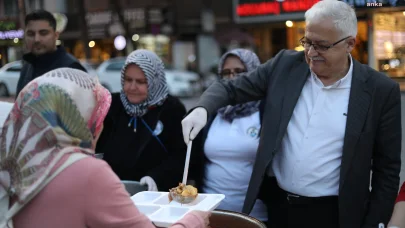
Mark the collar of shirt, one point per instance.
(343, 83)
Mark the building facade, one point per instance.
(280, 24)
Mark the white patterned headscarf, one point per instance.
(153, 68)
(57, 114)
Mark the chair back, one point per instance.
(134, 187)
(230, 219)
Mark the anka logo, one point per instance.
(374, 4)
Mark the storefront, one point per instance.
(386, 35)
(10, 41)
(389, 42)
(381, 25)
(266, 22)
(105, 32)
(160, 44)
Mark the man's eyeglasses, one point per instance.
(317, 47)
(228, 72)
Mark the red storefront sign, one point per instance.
(246, 9)
(255, 9)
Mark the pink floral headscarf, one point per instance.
(56, 114)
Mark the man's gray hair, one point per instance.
(342, 14)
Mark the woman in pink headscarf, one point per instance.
(48, 175)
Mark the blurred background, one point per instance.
(191, 35)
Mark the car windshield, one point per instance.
(13, 67)
(116, 66)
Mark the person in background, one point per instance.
(398, 216)
(44, 55)
(223, 155)
(49, 177)
(142, 138)
(328, 122)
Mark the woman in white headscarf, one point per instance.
(142, 138)
(48, 175)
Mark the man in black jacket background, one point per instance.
(44, 55)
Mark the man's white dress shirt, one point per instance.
(309, 160)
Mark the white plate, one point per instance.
(156, 206)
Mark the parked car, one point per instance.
(208, 79)
(109, 73)
(180, 83)
(5, 108)
(89, 68)
(9, 75)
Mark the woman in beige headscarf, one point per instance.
(48, 175)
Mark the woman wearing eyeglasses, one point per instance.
(224, 153)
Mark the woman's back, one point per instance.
(77, 197)
(48, 178)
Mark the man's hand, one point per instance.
(193, 123)
(150, 182)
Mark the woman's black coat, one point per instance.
(133, 155)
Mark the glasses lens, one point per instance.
(239, 70)
(320, 48)
(225, 72)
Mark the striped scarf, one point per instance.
(153, 68)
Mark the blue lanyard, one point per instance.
(133, 119)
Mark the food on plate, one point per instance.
(183, 193)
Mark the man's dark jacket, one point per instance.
(35, 66)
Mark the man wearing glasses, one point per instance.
(328, 122)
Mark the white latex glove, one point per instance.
(150, 182)
(193, 123)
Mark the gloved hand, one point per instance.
(193, 123)
(150, 182)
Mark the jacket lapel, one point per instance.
(359, 101)
(294, 84)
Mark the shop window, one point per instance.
(389, 43)
(279, 40)
(97, 5)
(160, 44)
(32, 5)
(10, 7)
(360, 51)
